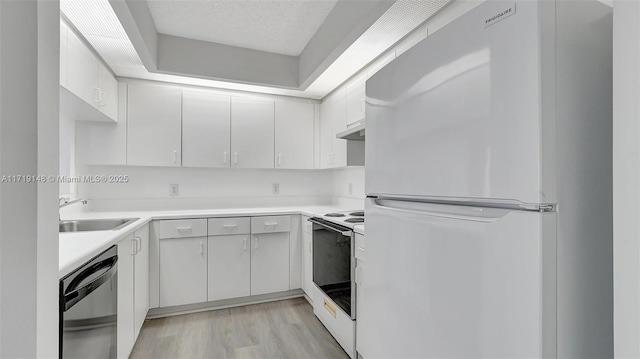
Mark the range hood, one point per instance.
(355, 133)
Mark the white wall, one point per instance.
(342, 178)
(626, 177)
(148, 188)
(29, 78)
(67, 152)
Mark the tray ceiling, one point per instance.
(351, 36)
(282, 27)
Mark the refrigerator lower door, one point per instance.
(445, 281)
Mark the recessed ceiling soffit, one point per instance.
(216, 45)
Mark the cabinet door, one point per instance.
(183, 271)
(333, 119)
(307, 264)
(154, 125)
(293, 134)
(355, 100)
(125, 333)
(141, 277)
(252, 139)
(327, 108)
(229, 266)
(108, 96)
(63, 53)
(339, 124)
(269, 263)
(206, 129)
(82, 77)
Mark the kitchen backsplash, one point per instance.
(148, 188)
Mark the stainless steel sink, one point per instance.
(82, 225)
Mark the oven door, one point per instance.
(334, 264)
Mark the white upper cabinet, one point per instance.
(107, 92)
(83, 65)
(252, 137)
(154, 125)
(206, 130)
(293, 135)
(333, 119)
(356, 100)
(83, 75)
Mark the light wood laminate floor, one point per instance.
(282, 329)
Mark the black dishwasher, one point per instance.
(89, 308)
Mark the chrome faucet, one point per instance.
(64, 201)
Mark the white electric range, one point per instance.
(334, 264)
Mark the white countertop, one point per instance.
(76, 248)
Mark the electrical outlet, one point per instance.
(350, 188)
(174, 190)
(276, 188)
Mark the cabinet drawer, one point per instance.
(231, 225)
(270, 224)
(307, 226)
(359, 247)
(182, 228)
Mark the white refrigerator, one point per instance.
(488, 177)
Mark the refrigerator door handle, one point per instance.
(461, 212)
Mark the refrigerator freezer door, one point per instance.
(459, 114)
(469, 282)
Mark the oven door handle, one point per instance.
(334, 229)
(73, 295)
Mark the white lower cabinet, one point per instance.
(183, 271)
(125, 332)
(141, 278)
(269, 263)
(133, 288)
(307, 258)
(229, 266)
(202, 260)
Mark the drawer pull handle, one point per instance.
(361, 248)
(244, 244)
(230, 226)
(138, 244)
(269, 224)
(330, 308)
(183, 229)
(201, 247)
(256, 246)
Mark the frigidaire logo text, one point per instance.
(499, 16)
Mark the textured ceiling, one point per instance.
(278, 26)
(98, 24)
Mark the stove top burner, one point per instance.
(357, 214)
(335, 215)
(354, 220)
